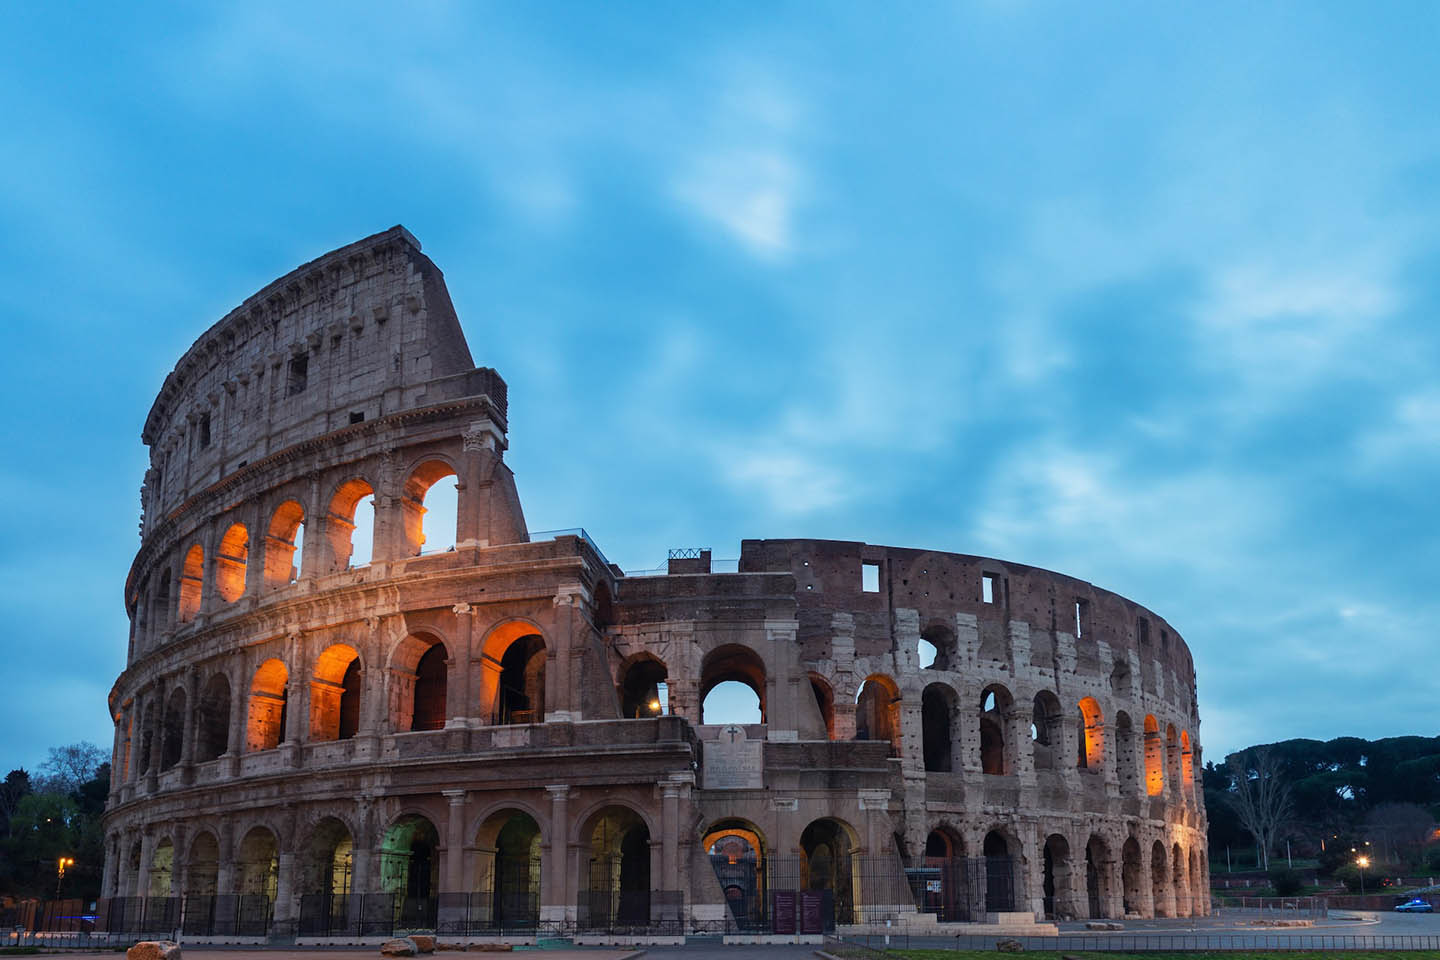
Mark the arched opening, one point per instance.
(737, 854)
(351, 525)
(732, 686)
(1187, 765)
(937, 647)
(432, 676)
(202, 871)
(829, 853)
(999, 872)
(1132, 877)
(192, 579)
(283, 541)
(335, 694)
(410, 863)
(995, 704)
(419, 684)
(512, 680)
(147, 739)
(1098, 882)
(1159, 886)
(258, 865)
(328, 864)
(824, 702)
(430, 509)
(1092, 736)
(522, 682)
(945, 882)
(1057, 882)
(877, 711)
(1198, 906)
(508, 858)
(172, 731)
(230, 562)
(1045, 729)
(212, 719)
(937, 721)
(617, 864)
(1172, 757)
(643, 689)
(1125, 754)
(162, 869)
(1154, 758)
(269, 693)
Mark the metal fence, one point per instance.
(1272, 908)
(875, 945)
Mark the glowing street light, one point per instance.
(60, 866)
(1362, 863)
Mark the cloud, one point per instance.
(1412, 432)
(791, 483)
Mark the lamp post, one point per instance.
(60, 866)
(1362, 863)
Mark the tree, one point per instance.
(67, 767)
(1261, 796)
(1401, 830)
(12, 791)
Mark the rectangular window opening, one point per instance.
(870, 577)
(204, 430)
(1082, 617)
(357, 416)
(987, 587)
(299, 375)
(1142, 631)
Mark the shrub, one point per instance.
(1286, 882)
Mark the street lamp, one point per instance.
(1362, 863)
(60, 866)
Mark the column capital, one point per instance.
(558, 791)
(462, 609)
(456, 797)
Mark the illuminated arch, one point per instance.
(335, 688)
(192, 580)
(287, 528)
(230, 563)
(269, 694)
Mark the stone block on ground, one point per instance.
(154, 950)
(424, 943)
(1009, 945)
(399, 947)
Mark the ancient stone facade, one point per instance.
(512, 729)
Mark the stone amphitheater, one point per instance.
(508, 736)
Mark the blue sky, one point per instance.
(1145, 295)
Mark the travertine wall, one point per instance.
(284, 709)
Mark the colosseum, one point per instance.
(507, 737)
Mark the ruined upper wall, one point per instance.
(362, 332)
(829, 577)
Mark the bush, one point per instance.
(1286, 882)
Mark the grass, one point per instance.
(1168, 955)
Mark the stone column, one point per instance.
(188, 734)
(555, 900)
(239, 719)
(669, 831)
(361, 855)
(147, 854)
(454, 842)
(297, 706)
(284, 888)
(457, 692)
(560, 701)
(117, 761)
(156, 732)
(112, 861)
(225, 869)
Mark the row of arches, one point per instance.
(426, 517)
(502, 862)
(341, 699)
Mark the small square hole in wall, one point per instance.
(870, 577)
(357, 416)
(987, 587)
